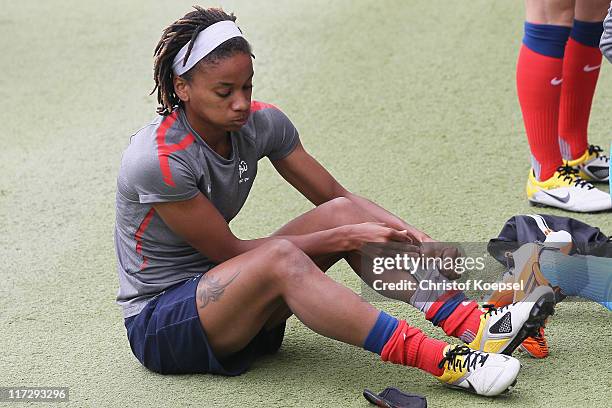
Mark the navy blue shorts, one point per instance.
(167, 337)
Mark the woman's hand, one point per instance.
(446, 252)
(357, 235)
(418, 236)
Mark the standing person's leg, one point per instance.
(581, 65)
(539, 78)
(539, 81)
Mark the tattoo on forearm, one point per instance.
(211, 289)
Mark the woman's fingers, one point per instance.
(401, 236)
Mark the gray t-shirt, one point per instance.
(606, 38)
(168, 161)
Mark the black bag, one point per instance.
(394, 398)
(522, 229)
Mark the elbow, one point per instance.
(227, 251)
(218, 257)
(222, 252)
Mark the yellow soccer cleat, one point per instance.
(481, 373)
(566, 190)
(593, 165)
(503, 329)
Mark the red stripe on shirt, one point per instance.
(164, 150)
(140, 232)
(257, 106)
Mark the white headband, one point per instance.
(206, 41)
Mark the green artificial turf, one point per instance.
(409, 103)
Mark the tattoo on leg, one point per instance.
(210, 289)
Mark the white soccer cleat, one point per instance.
(481, 373)
(503, 329)
(566, 190)
(593, 165)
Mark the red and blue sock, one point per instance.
(399, 343)
(456, 315)
(581, 65)
(539, 74)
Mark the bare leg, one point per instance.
(562, 12)
(554, 12)
(591, 10)
(342, 211)
(236, 299)
(335, 213)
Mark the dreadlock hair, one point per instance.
(174, 38)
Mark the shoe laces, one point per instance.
(492, 310)
(471, 359)
(596, 150)
(568, 173)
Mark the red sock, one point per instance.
(538, 82)
(580, 72)
(410, 347)
(462, 323)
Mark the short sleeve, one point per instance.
(158, 179)
(277, 137)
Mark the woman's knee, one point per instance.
(343, 211)
(287, 262)
(556, 12)
(339, 204)
(591, 10)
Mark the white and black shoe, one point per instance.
(593, 165)
(503, 329)
(481, 373)
(568, 191)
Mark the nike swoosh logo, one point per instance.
(465, 303)
(588, 68)
(599, 172)
(561, 199)
(556, 81)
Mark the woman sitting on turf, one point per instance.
(197, 299)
